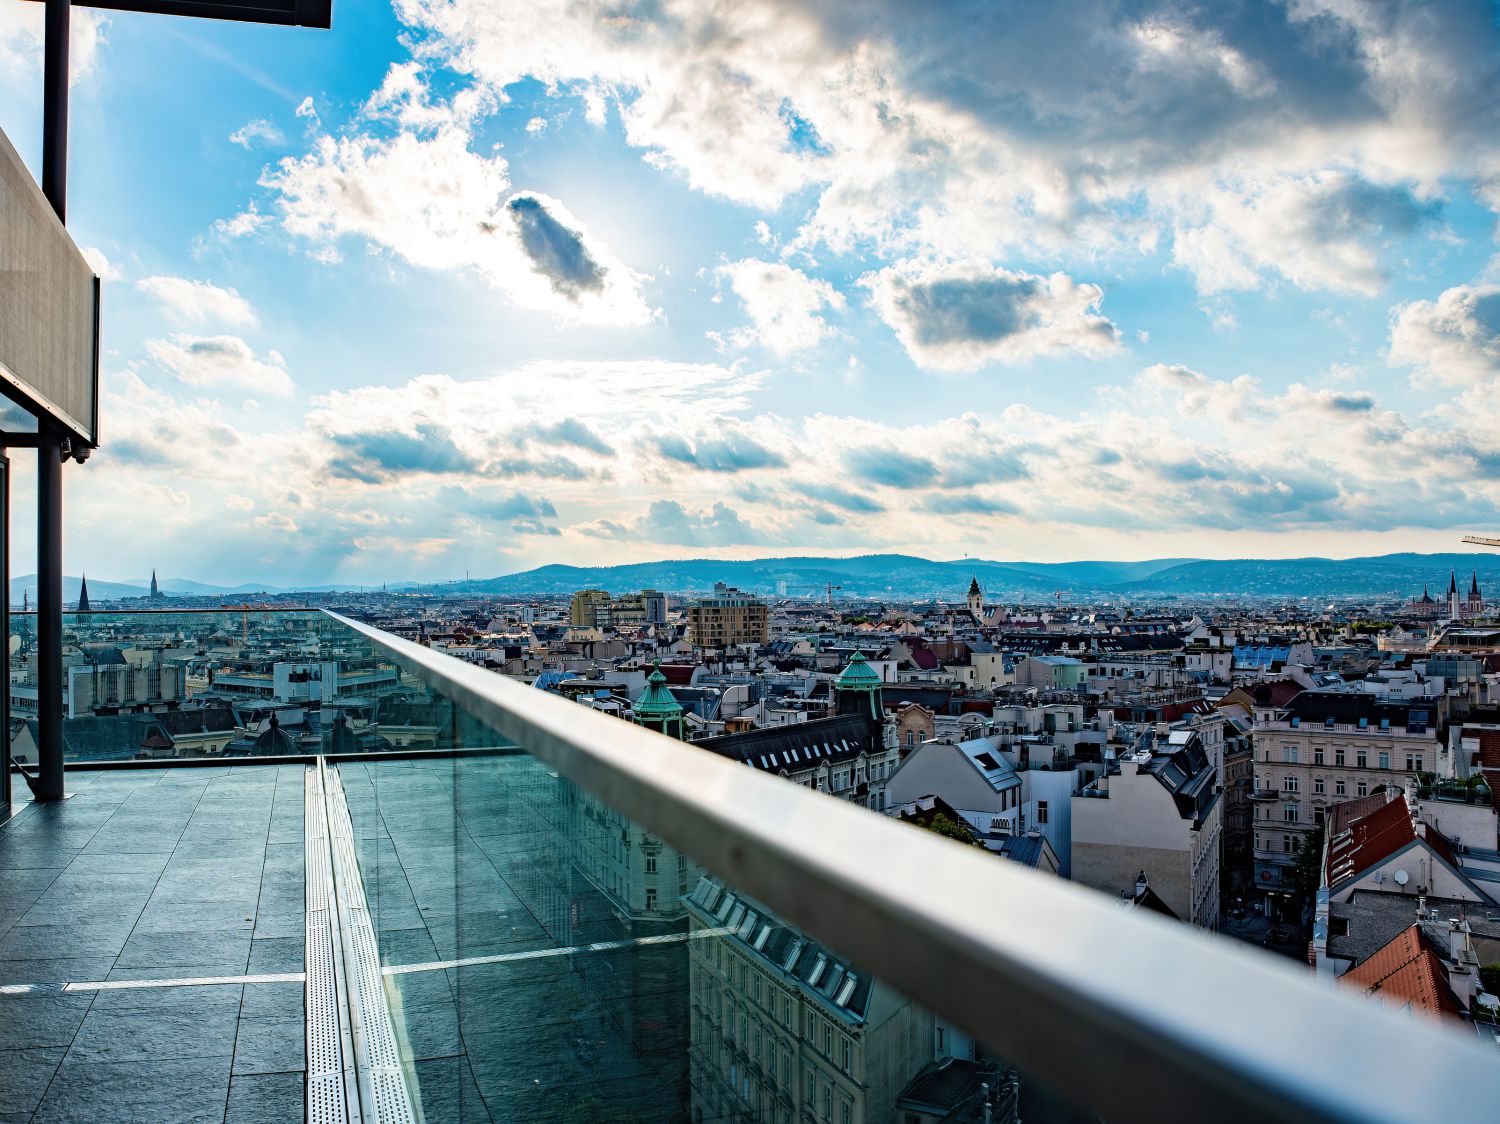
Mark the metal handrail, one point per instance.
(1136, 1017)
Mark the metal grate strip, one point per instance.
(384, 1093)
(328, 1098)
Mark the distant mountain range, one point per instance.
(904, 576)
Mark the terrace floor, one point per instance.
(147, 875)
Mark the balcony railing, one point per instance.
(472, 886)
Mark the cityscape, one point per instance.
(613, 562)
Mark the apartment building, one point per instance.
(1325, 747)
(783, 1029)
(1158, 816)
(729, 617)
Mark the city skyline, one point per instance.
(464, 290)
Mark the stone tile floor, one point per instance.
(153, 874)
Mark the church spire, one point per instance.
(83, 594)
(155, 589)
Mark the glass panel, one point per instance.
(214, 684)
(547, 959)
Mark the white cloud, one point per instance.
(784, 305)
(198, 301)
(218, 361)
(22, 40)
(960, 317)
(242, 225)
(99, 262)
(1316, 135)
(258, 132)
(1454, 339)
(427, 197)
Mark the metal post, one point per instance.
(5, 784)
(49, 609)
(49, 446)
(55, 107)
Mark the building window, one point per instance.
(1317, 755)
(1361, 760)
(1338, 757)
(846, 1051)
(1289, 783)
(1363, 788)
(650, 864)
(650, 899)
(1041, 811)
(1289, 754)
(1413, 763)
(1338, 787)
(1289, 813)
(1385, 760)
(1286, 844)
(1318, 785)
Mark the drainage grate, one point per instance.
(381, 1079)
(328, 1097)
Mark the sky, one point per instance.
(468, 287)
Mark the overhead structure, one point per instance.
(1480, 540)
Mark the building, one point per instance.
(784, 1029)
(973, 777)
(658, 709)
(1464, 607)
(850, 754)
(1378, 843)
(595, 608)
(728, 618)
(589, 609)
(1325, 747)
(1157, 817)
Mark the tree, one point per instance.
(1307, 874)
(942, 825)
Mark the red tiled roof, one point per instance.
(1407, 972)
(1373, 837)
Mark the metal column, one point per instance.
(51, 444)
(49, 609)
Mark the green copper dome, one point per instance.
(657, 701)
(858, 676)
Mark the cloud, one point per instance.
(198, 301)
(843, 498)
(99, 262)
(967, 503)
(556, 250)
(22, 41)
(1291, 140)
(890, 467)
(728, 451)
(379, 456)
(218, 361)
(961, 317)
(783, 304)
(424, 195)
(669, 522)
(1454, 339)
(252, 134)
(571, 431)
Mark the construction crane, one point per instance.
(1480, 540)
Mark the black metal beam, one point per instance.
(293, 13)
(49, 611)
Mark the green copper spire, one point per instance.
(658, 708)
(857, 689)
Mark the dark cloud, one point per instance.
(556, 251)
(728, 452)
(377, 456)
(533, 527)
(890, 467)
(496, 505)
(961, 310)
(571, 431)
(842, 498)
(1357, 208)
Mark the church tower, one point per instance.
(658, 709)
(156, 593)
(1475, 605)
(83, 595)
(1455, 609)
(976, 599)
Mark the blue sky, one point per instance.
(471, 287)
